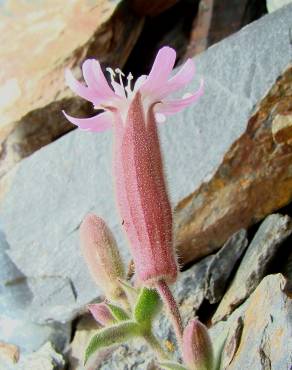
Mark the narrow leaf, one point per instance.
(118, 313)
(111, 335)
(147, 306)
(168, 365)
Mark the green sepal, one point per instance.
(118, 313)
(112, 335)
(168, 365)
(147, 306)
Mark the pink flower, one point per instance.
(140, 185)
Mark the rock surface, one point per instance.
(9, 352)
(257, 333)
(30, 337)
(85, 330)
(15, 321)
(200, 29)
(282, 128)
(45, 205)
(273, 5)
(264, 339)
(46, 358)
(65, 35)
(190, 291)
(252, 181)
(255, 263)
(222, 265)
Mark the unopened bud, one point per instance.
(101, 314)
(100, 251)
(197, 346)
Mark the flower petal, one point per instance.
(100, 79)
(79, 88)
(139, 82)
(99, 123)
(120, 92)
(161, 69)
(182, 78)
(174, 106)
(95, 79)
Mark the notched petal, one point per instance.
(161, 69)
(178, 81)
(174, 106)
(78, 88)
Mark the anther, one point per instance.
(120, 72)
(112, 73)
(121, 75)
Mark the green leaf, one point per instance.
(147, 306)
(111, 335)
(168, 365)
(118, 313)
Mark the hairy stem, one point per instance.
(172, 309)
(155, 345)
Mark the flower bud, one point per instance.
(101, 255)
(101, 314)
(197, 346)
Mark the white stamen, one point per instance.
(128, 87)
(119, 88)
(121, 75)
(120, 72)
(112, 73)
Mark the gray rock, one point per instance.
(53, 189)
(272, 232)
(265, 341)
(273, 5)
(30, 337)
(189, 290)
(257, 332)
(46, 358)
(130, 357)
(15, 297)
(257, 335)
(15, 294)
(222, 265)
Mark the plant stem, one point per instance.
(172, 309)
(155, 345)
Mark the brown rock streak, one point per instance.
(253, 180)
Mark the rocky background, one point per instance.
(228, 161)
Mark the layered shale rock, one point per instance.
(51, 191)
(260, 253)
(252, 181)
(258, 334)
(57, 35)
